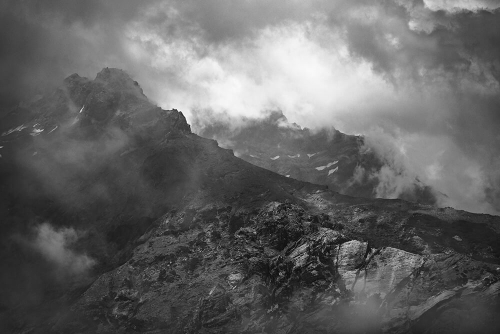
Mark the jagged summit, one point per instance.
(113, 100)
(118, 79)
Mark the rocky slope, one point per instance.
(184, 237)
(329, 157)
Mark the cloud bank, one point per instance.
(420, 76)
(55, 246)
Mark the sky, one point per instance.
(420, 79)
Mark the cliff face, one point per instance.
(175, 234)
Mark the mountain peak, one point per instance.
(277, 116)
(118, 79)
(110, 74)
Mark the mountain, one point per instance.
(342, 162)
(116, 218)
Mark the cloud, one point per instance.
(459, 180)
(423, 73)
(457, 5)
(55, 246)
(65, 164)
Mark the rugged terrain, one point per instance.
(181, 236)
(342, 162)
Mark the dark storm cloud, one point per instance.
(404, 37)
(460, 46)
(44, 41)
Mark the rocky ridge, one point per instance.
(187, 238)
(342, 162)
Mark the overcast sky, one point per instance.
(419, 78)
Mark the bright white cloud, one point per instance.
(311, 71)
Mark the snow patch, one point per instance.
(294, 156)
(311, 155)
(287, 175)
(276, 157)
(36, 132)
(81, 109)
(457, 238)
(253, 156)
(327, 166)
(331, 171)
(54, 129)
(19, 128)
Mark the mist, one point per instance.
(60, 163)
(55, 246)
(419, 79)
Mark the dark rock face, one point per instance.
(302, 277)
(187, 238)
(327, 157)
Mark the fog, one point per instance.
(419, 79)
(55, 246)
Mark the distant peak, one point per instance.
(276, 116)
(74, 76)
(112, 74)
